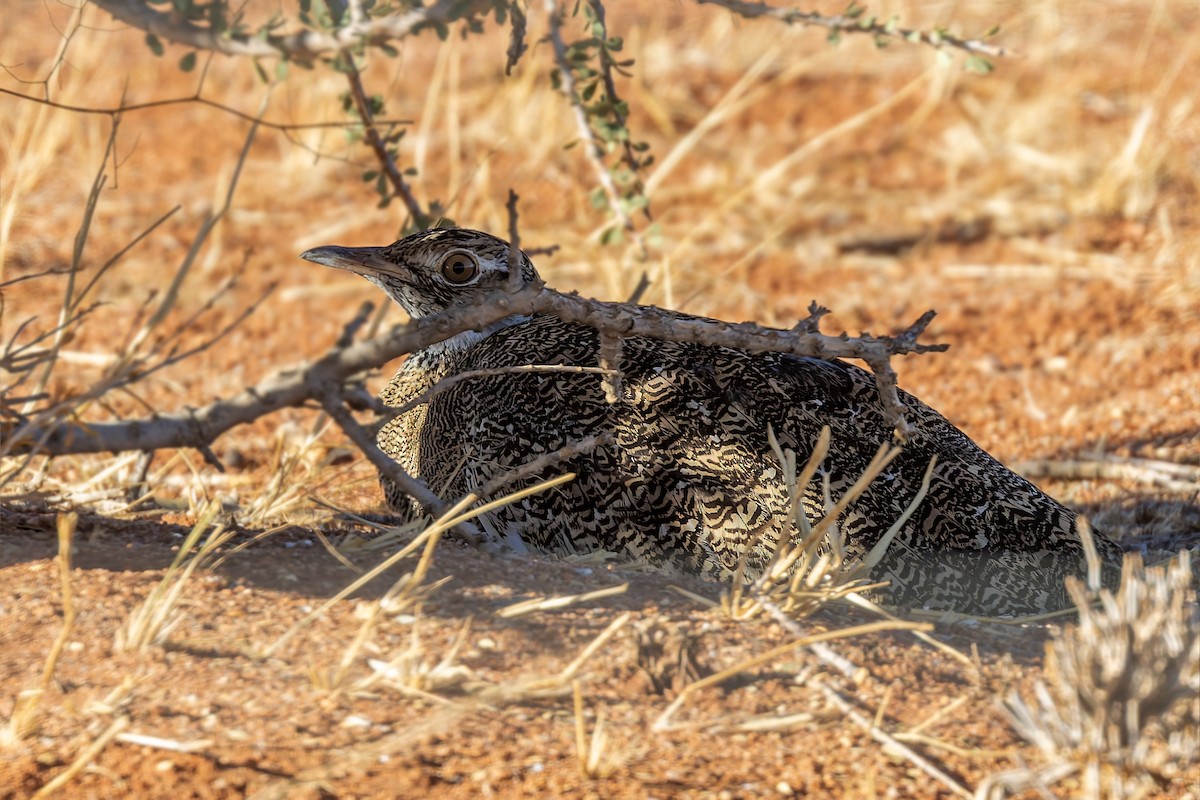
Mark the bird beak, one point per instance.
(366, 261)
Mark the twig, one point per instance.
(1166, 474)
(821, 650)
(420, 218)
(84, 758)
(774, 653)
(553, 603)
(593, 149)
(545, 462)
(123, 108)
(894, 744)
(331, 401)
(857, 23)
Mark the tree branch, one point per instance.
(858, 23)
(301, 385)
(301, 45)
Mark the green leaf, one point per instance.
(370, 175)
(979, 65)
(188, 62)
(262, 73)
(281, 70)
(598, 198)
(154, 44)
(834, 38)
(613, 235)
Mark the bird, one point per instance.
(687, 477)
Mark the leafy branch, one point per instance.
(584, 73)
(856, 20)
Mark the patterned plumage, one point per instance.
(690, 479)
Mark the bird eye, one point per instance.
(459, 268)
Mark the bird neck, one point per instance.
(425, 367)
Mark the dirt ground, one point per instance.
(1046, 211)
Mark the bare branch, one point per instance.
(199, 100)
(331, 401)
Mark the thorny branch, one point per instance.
(301, 385)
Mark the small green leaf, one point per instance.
(613, 235)
(281, 70)
(188, 62)
(262, 73)
(370, 175)
(992, 31)
(154, 44)
(598, 199)
(979, 65)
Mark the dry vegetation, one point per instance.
(194, 637)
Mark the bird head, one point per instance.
(431, 271)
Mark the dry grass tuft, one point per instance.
(158, 614)
(1119, 706)
(813, 568)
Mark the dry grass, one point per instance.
(1118, 709)
(812, 568)
(154, 619)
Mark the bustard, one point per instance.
(689, 478)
